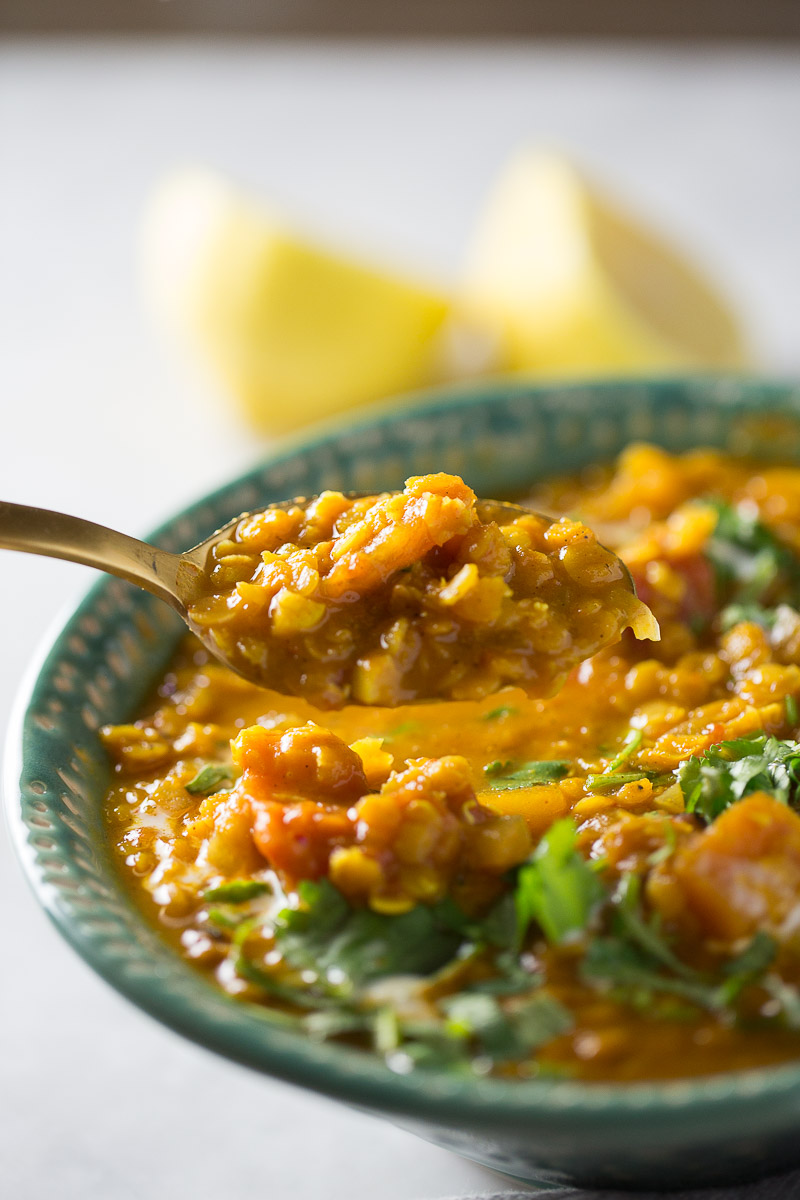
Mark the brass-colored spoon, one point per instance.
(178, 579)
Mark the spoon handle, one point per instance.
(56, 535)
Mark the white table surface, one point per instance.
(392, 148)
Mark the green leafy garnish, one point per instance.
(612, 776)
(557, 888)
(505, 710)
(749, 966)
(639, 964)
(224, 919)
(401, 730)
(752, 566)
(712, 781)
(507, 1033)
(791, 710)
(237, 891)
(787, 998)
(643, 933)
(209, 779)
(627, 968)
(354, 946)
(386, 1034)
(331, 1022)
(278, 989)
(526, 774)
(632, 742)
(600, 783)
(667, 850)
(733, 614)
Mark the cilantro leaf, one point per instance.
(526, 774)
(749, 966)
(732, 614)
(354, 946)
(505, 710)
(712, 781)
(632, 742)
(642, 933)
(616, 963)
(598, 783)
(237, 891)
(280, 989)
(557, 888)
(751, 564)
(788, 999)
(506, 1034)
(613, 777)
(637, 962)
(209, 779)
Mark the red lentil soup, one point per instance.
(603, 883)
(423, 594)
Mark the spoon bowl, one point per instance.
(181, 580)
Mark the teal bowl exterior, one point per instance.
(500, 436)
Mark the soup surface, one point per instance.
(602, 884)
(422, 594)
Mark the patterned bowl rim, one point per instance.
(180, 997)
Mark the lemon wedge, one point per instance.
(572, 284)
(293, 331)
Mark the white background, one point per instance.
(390, 149)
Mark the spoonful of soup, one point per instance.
(428, 593)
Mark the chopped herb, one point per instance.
(558, 888)
(402, 729)
(209, 779)
(749, 966)
(618, 964)
(752, 565)
(791, 710)
(499, 926)
(611, 776)
(541, 1019)
(639, 965)
(332, 1022)
(512, 978)
(712, 781)
(667, 850)
(643, 933)
(787, 998)
(471, 1015)
(733, 614)
(598, 783)
(506, 1034)
(496, 714)
(526, 774)
(225, 920)
(497, 767)
(428, 1044)
(386, 1030)
(632, 742)
(237, 891)
(354, 946)
(278, 989)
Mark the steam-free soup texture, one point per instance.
(422, 594)
(601, 884)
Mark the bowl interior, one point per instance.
(499, 437)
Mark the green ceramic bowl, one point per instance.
(500, 436)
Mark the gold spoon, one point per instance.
(179, 579)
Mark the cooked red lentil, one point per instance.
(423, 594)
(603, 883)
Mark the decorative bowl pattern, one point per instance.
(499, 436)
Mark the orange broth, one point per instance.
(683, 955)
